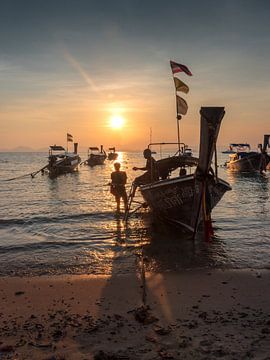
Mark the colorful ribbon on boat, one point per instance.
(206, 207)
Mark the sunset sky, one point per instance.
(69, 66)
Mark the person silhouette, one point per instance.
(151, 168)
(118, 189)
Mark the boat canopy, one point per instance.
(57, 148)
(170, 164)
(240, 145)
(112, 149)
(94, 148)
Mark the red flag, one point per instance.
(179, 68)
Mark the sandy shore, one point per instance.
(205, 314)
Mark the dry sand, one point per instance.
(206, 314)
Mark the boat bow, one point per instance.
(211, 118)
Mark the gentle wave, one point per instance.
(54, 219)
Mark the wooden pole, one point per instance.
(178, 117)
(216, 166)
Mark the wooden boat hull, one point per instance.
(96, 159)
(65, 166)
(249, 163)
(172, 200)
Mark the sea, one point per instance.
(68, 225)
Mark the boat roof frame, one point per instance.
(57, 148)
(184, 146)
(240, 144)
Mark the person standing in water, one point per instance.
(118, 189)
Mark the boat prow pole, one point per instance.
(211, 118)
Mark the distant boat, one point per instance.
(233, 148)
(96, 156)
(112, 155)
(244, 160)
(265, 147)
(62, 161)
(187, 151)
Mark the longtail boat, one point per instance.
(96, 156)
(244, 160)
(174, 196)
(61, 161)
(112, 154)
(184, 200)
(264, 148)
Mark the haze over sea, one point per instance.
(69, 224)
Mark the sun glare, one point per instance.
(117, 121)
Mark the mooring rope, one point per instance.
(18, 177)
(32, 174)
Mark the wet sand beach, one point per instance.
(196, 314)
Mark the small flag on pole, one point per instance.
(69, 137)
(180, 85)
(179, 68)
(182, 106)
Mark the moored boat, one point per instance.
(61, 161)
(233, 148)
(187, 151)
(173, 196)
(184, 200)
(96, 156)
(244, 160)
(112, 155)
(265, 148)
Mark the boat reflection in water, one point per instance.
(164, 252)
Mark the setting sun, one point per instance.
(117, 121)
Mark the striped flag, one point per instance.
(69, 137)
(182, 106)
(179, 68)
(180, 85)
